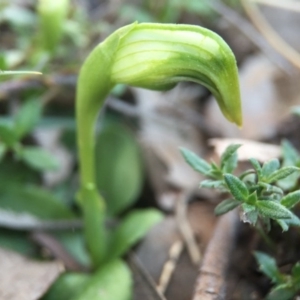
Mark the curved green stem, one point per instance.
(152, 56)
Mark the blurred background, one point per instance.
(139, 131)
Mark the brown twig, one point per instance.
(211, 282)
(170, 266)
(185, 228)
(270, 34)
(141, 276)
(249, 31)
(286, 4)
(57, 250)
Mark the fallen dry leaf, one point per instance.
(249, 149)
(24, 279)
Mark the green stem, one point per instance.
(152, 56)
(91, 202)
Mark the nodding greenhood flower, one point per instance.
(157, 57)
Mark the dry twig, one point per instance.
(185, 228)
(211, 282)
(57, 250)
(141, 276)
(270, 34)
(169, 266)
(249, 31)
(286, 4)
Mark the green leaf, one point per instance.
(39, 159)
(270, 167)
(197, 163)
(237, 187)
(17, 241)
(225, 206)
(252, 198)
(291, 157)
(282, 173)
(3, 149)
(68, 286)
(27, 117)
(250, 214)
(33, 201)
(74, 242)
(135, 225)
(215, 172)
(119, 168)
(281, 292)
(8, 135)
(212, 184)
(229, 158)
(296, 272)
(52, 15)
(271, 188)
(284, 226)
(291, 199)
(273, 210)
(256, 165)
(289, 153)
(267, 265)
(111, 282)
(294, 220)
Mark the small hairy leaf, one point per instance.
(250, 214)
(212, 184)
(281, 292)
(289, 153)
(267, 265)
(252, 198)
(39, 159)
(291, 199)
(197, 163)
(282, 173)
(294, 220)
(225, 206)
(291, 157)
(284, 226)
(256, 165)
(273, 210)
(135, 225)
(271, 188)
(237, 187)
(269, 167)
(229, 158)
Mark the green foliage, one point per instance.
(254, 191)
(134, 226)
(285, 286)
(112, 281)
(52, 15)
(197, 163)
(173, 54)
(118, 168)
(67, 286)
(34, 201)
(11, 134)
(226, 205)
(291, 157)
